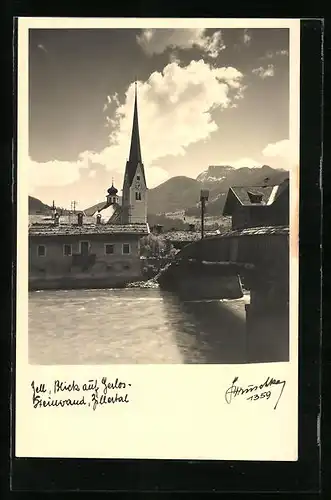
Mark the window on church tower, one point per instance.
(138, 196)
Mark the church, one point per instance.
(99, 247)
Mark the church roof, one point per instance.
(135, 148)
(115, 218)
(96, 208)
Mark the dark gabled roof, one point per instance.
(284, 186)
(88, 229)
(245, 196)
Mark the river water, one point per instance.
(133, 326)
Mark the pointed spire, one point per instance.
(135, 150)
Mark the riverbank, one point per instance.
(80, 283)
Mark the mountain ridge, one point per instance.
(182, 194)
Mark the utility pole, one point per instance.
(73, 206)
(204, 195)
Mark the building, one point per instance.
(99, 247)
(258, 206)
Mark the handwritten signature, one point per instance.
(254, 392)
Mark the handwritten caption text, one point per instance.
(92, 393)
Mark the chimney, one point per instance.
(80, 219)
(191, 227)
(56, 219)
(99, 219)
(159, 228)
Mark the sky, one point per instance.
(205, 97)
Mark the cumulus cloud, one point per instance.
(285, 153)
(54, 173)
(157, 41)
(175, 110)
(264, 72)
(179, 100)
(280, 155)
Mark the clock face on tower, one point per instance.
(138, 185)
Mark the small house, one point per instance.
(258, 206)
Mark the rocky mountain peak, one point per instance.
(214, 173)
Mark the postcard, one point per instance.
(157, 251)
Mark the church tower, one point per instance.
(134, 196)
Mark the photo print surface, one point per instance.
(158, 188)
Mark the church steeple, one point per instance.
(135, 149)
(135, 156)
(134, 198)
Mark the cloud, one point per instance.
(179, 100)
(247, 37)
(175, 110)
(157, 41)
(285, 153)
(241, 163)
(271, 54)
(54, 173)
(264, 72)
(281, 155)
(281, 53)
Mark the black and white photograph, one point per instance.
(158, 195)
(157, 218)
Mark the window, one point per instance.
(67, 250)
(126, 248)
(41, 251)
(138, 177)
(84, 247)
(138, 196)
(255, 197)
(109, 248)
